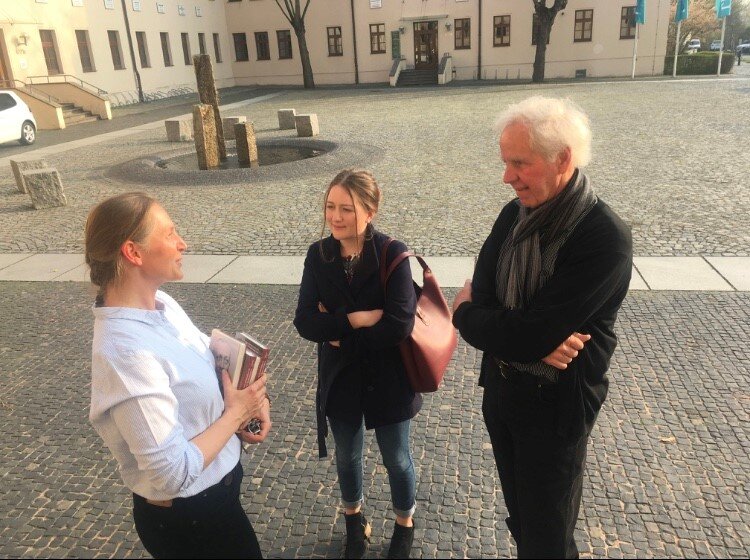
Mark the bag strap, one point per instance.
(387, 270)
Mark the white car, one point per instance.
(16, 121)
(693, 46)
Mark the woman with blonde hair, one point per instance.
(155, 399)
(358, 326)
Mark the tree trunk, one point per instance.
(543, 33)
(304, 55)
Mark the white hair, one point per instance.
(553, 125)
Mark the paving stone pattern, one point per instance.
(667, 468)
(669, 156)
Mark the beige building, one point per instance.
(491, 39)
(126, 50)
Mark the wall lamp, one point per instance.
(448, 25)
(402, 30)
(22, 39)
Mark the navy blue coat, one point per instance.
(365, 375)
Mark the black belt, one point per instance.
(517, 377)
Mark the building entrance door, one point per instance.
(425, 45)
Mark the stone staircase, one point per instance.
(76, 115)
(417, 78)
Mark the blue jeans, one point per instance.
(393, 441)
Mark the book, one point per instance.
(229, 355)
(243, 356)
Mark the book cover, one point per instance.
(229, 355)
(259, 349)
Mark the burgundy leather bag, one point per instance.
(429, 348)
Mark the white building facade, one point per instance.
(115, 44)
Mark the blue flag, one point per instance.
(723, 8)
(640, 11)
(682, 10)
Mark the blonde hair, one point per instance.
(553, 125)
(111, 223)
(361, 186)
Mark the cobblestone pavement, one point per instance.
(667, 468)
(670, 156)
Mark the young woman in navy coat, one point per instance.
(362, 382)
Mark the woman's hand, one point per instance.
(265, 425)
(362, 319)
(243, 404)
(567, 351)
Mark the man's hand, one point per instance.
(567, 351)
(463, 295)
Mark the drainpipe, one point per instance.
(479, 43)
(354, 38)
(132, 53)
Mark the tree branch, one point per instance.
(283, 12)
(304, 13)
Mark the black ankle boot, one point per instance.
(357, 534)
(401, 542)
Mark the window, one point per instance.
(217, 49)
(536, 29)
(501, 35)
(165, 50)
(335, 47)
(377, 38)
(50, 51)
(284, 38)
(261, 45)
(82, 38)
(6, 101)
(627, 23)
(202, 43)
(583, 26)
(114, 47)
(240, 47)
(462, 33)
(186, 49)
(140, 37)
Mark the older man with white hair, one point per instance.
(542, 305)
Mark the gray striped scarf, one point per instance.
(523, 267)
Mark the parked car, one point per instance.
(693, 46)
(16, 121)
(715, 45)
(744, 48)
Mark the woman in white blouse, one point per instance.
(155, 399)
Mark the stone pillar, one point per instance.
(204, 128)
(286, 119)
(227, 125)
(45, 188)
(307, 125)
(18, 167)
(247, 148)
(178, 130)
(204, 75)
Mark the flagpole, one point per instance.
(635, 50)
(676, 49)
(721, 50)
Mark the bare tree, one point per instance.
(545, 18)
(295, 15)
(702, 24)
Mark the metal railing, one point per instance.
(33, 92)
(67, 79)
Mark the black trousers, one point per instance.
(211, 524)
(541, 474)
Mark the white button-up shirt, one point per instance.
(153, 389)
